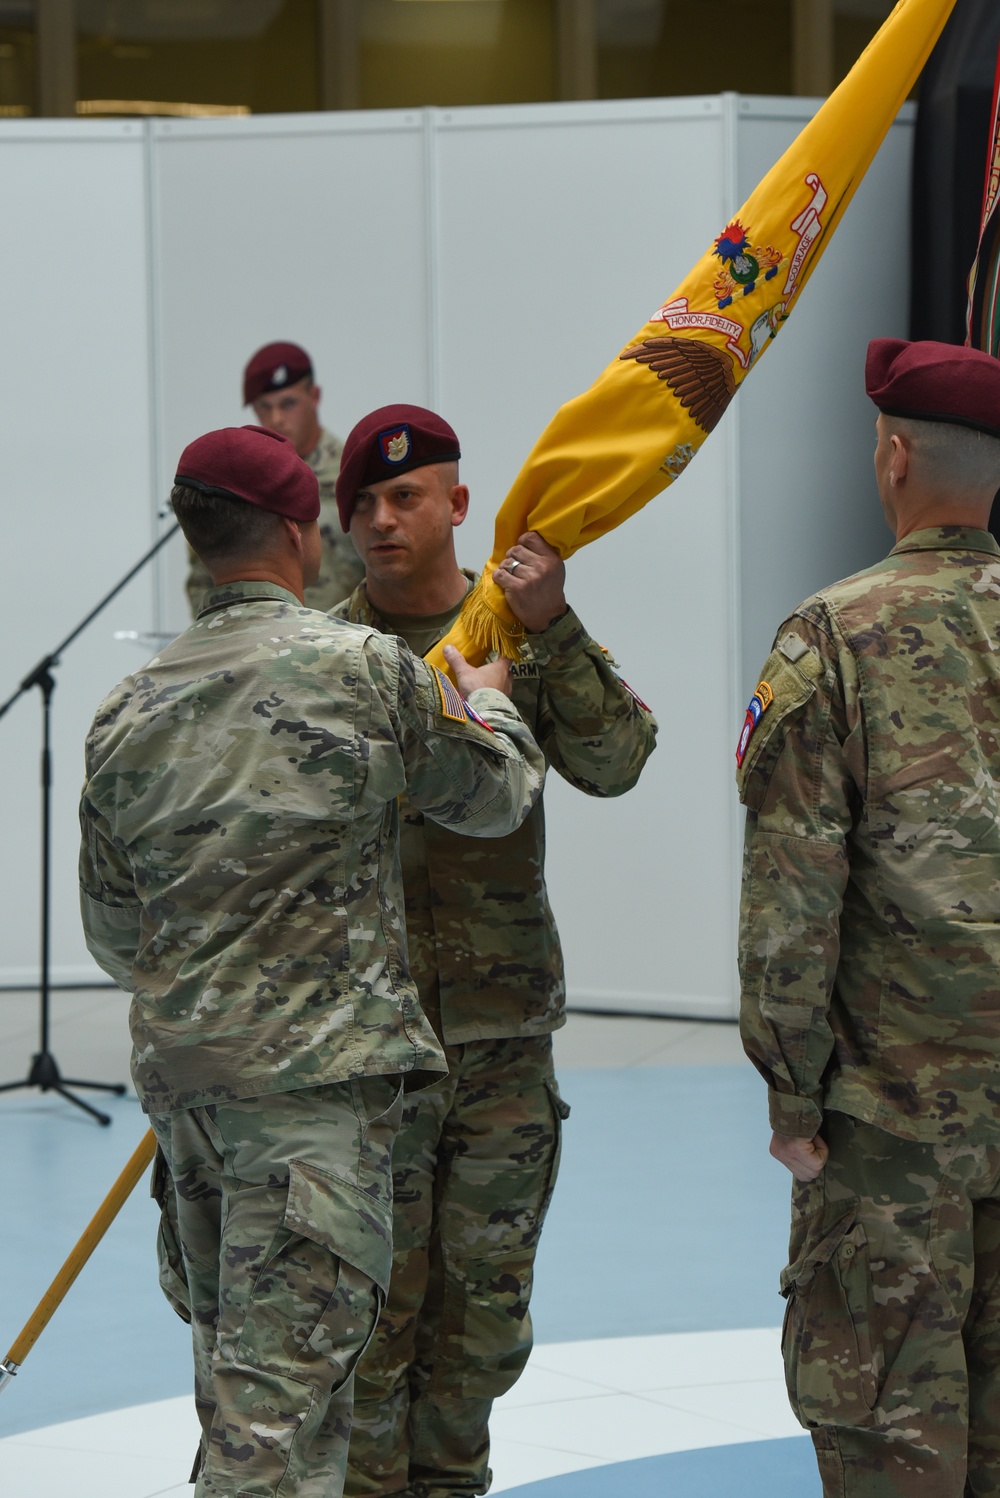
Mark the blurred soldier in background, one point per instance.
(278, 383)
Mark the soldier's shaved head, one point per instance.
(949, 456)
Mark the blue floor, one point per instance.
(669, 1216)
(760, 1469)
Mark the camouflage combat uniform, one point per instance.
(341, 569)
(477, 1156)
(870, 967)
(240, 876)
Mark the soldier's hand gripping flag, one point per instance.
(608, 452)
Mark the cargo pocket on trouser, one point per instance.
(489, 1237)
(284, 1389)
(560, 1113)
(172, 1273)
(830, 1340)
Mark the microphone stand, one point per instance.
(44, 1072)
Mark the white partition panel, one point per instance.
(809, 509)
(75, 478)
(561, 230)
(304, 227)
(488, 262)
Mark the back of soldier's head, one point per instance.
(217, 526)
(943, 401)
(947, 456)
(233, 487)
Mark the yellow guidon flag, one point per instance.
(608, 452)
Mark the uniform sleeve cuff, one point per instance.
(562, 640)
(797, 1116)
(490, 699)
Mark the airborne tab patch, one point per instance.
(759, 704)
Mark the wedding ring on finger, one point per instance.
(512, 564)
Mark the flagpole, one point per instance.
(92, 1235)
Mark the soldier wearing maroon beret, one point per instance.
(869, 764)
(278, 385)
(240, 877)
(477, 1157)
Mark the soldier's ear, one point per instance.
(899, 460)
(293, 531)
(459, 503)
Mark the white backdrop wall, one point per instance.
(75, 475)
(488, 262)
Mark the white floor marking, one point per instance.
(579, 1404)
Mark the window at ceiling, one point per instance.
(855, 22)
(17, 58)
(416, 52)
(246, 56)
(649, 47)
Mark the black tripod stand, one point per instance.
(44, 1072)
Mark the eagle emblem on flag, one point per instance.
(700, 375)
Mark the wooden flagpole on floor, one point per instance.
(94, 1232)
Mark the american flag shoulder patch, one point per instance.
(452, 701)
(454, 706)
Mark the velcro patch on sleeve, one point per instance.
(793, 647)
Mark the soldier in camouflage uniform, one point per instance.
(240, 876)
(278, 383)
(869, 764)
(476, 1160)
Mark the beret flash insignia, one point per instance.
(395, 444)
(280, 375)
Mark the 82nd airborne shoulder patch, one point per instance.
(759, 704)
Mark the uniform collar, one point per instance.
(948, 538)
(248, 592)
(325, 454)
(361, 611)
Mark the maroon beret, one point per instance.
(273, 367)
(935, 382)
(254, 464)
(391, 440)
